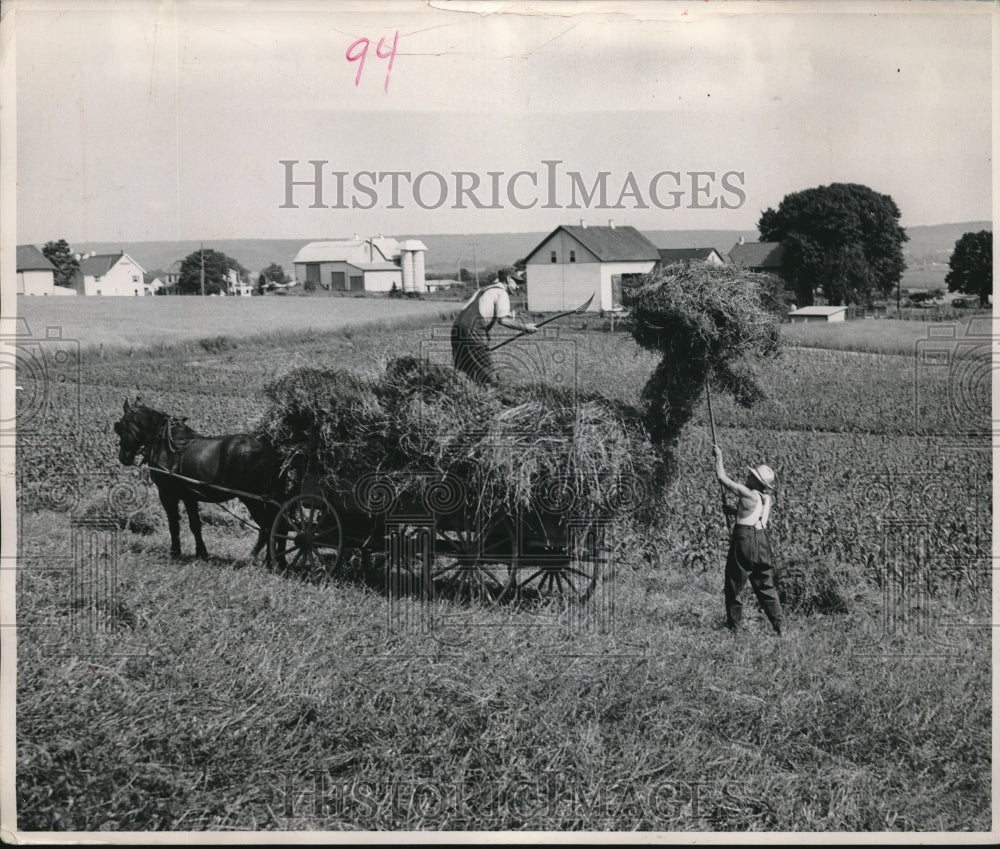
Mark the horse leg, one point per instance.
(263, 515)
(194, 521)
(170, 504)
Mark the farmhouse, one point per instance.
(110, 274)
(236, 285)
(671, 256)
(363, 265)
(764, 257)
(35, 274)
(806, 315)
(573, 262)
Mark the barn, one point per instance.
(805, 315)
(363, 265)
(35, 273)
(574, 261)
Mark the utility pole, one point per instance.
(203, 269)
(475, 264)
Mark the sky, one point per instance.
(170, 120)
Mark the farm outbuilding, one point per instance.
(574, 261)
(35, 273)
(363, 265)
(817, 314)
(669, 256)
(763, 257)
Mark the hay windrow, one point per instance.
(523, 447)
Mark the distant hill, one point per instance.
(926, 253)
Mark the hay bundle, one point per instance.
(523, 447)
(707, 322)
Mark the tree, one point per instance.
(60, 255)
(843, 238)
(271, 277)
(217, 266)
(971, 266)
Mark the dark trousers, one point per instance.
(470, 353)
(750, 557)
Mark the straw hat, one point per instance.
(763, 473)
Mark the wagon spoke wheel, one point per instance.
(306, 536)
(572, 576)
(478, 561)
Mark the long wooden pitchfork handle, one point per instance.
(579, 310)
(711, 421)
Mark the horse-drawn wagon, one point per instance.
(438, 535)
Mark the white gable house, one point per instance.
(111, 274)
(573, 262)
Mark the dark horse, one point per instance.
(223, 466)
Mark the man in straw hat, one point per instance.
(470, 334)
(749, 549)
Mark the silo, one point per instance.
(414, 249)
(407, 261)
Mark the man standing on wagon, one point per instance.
(470, 334)
(749, 548)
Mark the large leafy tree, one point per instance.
(60, 255)
(843, 238)
(271, 275)
(217, 266)
(971, 266)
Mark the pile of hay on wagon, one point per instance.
(524, 446)
(519, 447)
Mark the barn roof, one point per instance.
(349, 250)
(608, 244)
(757, 255)
(670, 255)
(817, 310)
(29, 258)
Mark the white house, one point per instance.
(573, 262)
(363, 265)
(710, 256)
(110, 274)
(237, 286)
(35, 273)
(805, 315)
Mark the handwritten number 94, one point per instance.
(358, 52)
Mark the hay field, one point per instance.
(148, 322)
(220, 695)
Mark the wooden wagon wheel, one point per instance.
(478, 559)
(307, 530)
(574, 575)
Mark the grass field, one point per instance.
(221, 695)
(147, 322)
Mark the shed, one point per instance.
(35, 273)
(573, 262)
(817, 314)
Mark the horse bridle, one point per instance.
(164, 433)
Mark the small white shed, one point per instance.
(811, 314)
